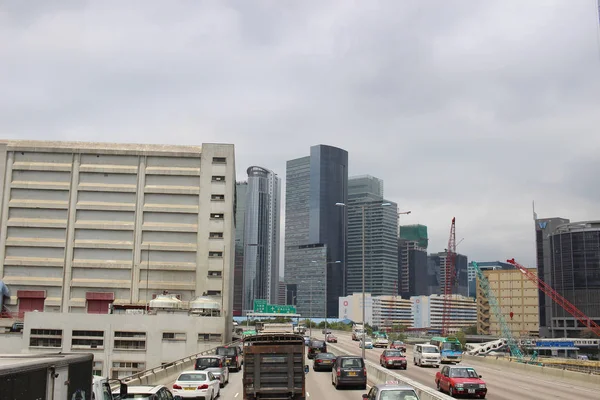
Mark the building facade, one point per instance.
(380, 238)
(484, 266)
(315, 229)
(380, 311)
(88, 227)
(575, 274)
(241, 189)
(543, 228)
(122, 344)
(461, 284)
(281, 299)
(413, 272)
(517, 299)
(427, 312)
(261, 237)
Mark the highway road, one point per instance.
(318, 387)
(503, 384)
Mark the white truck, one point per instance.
(357, 331)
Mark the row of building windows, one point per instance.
(95, 339)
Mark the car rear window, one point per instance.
(317, 343)
(326, 355)
(207, 362)
(351, 362)
(226, 351)
(192, 377)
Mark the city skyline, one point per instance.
(277, 80)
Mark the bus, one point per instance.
(450, 349)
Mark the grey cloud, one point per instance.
(466, 109)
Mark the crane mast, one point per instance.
(449, 278)
(558, 298)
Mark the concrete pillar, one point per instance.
(137, 232)
(7, 177)
(70, 239)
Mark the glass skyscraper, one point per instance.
(261, 237)
(381, 238)
(315, 229)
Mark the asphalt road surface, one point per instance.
(503, 384)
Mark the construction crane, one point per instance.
(558, 298)
(449, 278)
(504, 328)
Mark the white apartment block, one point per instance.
(427, 311)
(380, 311)
(88, 227)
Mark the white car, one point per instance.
(381, 342)
(192, 384)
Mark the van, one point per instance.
(426, 354)
(100, 389)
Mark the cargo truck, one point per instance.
(274, 366)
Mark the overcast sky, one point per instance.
(466, 109)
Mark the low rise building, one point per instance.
(518, 302)
(427, 312)
(380, 311)
(122, 344)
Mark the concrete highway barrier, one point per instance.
(168, 372)
(377, 374)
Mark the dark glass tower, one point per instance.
(315, 229)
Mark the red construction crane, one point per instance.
(449, 276)
(557, 298)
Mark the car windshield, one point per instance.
(451, 346)
(398, 342)
(225, 351)
(430, 350)
(351, 363)
(398, 394)
(207, 362)
(192, 377)
(463, 373)
(393, 354)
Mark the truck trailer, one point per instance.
(274, 366)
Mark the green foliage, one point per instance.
(470, 330)
(462, 338)
(587, 333)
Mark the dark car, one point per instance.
(315, 347)
(349, 371)
(233, 355)
(324, 361)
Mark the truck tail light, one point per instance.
(176, 386)
(365, 371)
(201, 387)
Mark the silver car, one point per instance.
(217, 365)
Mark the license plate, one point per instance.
(351, 373)
(191, 388)
(471, 390)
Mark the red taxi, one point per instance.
(331, 338)
(392, 359)
(398, 345)
(460, 381)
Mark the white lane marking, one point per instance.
(236, 395)
(307, 394)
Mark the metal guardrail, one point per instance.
(582, 366)
(162, 367)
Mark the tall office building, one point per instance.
(414, 276)
(543, 228)
(412, 261)
(241, 188)
(261, 237)
(437, 261)
(380, 238)
(315, 229)
(575, 274)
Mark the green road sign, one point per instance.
(263, 307)
(260, 306)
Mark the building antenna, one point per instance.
(533, 205)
